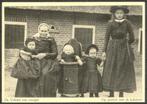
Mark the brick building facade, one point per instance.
(64, 22)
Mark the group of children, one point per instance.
(89, 76)
(118, 71)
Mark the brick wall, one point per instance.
(64, 21)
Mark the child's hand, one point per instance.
(40, 55)
(103, 56)
(80, 63)
(79, 60)
(102, 64)
(77, 57)
(62, 61)
(33, 56)
(100, 69)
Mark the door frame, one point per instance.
(17, 23)
(84, 26)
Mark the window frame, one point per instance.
(84, 26)
(17, 23)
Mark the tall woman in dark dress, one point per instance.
(118, 74)
(47, 50)
(45, 85)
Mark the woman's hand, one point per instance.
(40, 55)
(103, 56)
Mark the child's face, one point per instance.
(92, 52)
(31, 45)
(43, 31)
(68, 49)
(119, 14)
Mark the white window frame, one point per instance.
(140, 29)
(18, 23)
(84, 26)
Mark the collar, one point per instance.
(37, 37)
(119, 21)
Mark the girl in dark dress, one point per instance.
(118, 74)
(47, 53)
(27, 71)
(92, 80)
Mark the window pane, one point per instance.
(14, 36)
(84, 35)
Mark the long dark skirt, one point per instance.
(43, 86)
(27, 88)
(118, 74)
(27, 73)
(81, 74)
(49, 78)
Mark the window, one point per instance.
(84, 34)
(14, 34)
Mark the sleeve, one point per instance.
(107, 36)
(23, 53)
(63, 56)
(54, 52)
(83, 59)
(99, 61)
(80, 48)
(131, 33)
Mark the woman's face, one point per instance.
(92, 52)
(31, 45)
(119, 14)
(43, 31)
(68, 49)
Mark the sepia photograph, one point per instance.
(73, 52)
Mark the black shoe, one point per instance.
(63, 95)
(111, 94)
(77, 96)
(91, 95)
(96, 94)
(121, 94)
(82, 95)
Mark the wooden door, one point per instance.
(84, 35)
